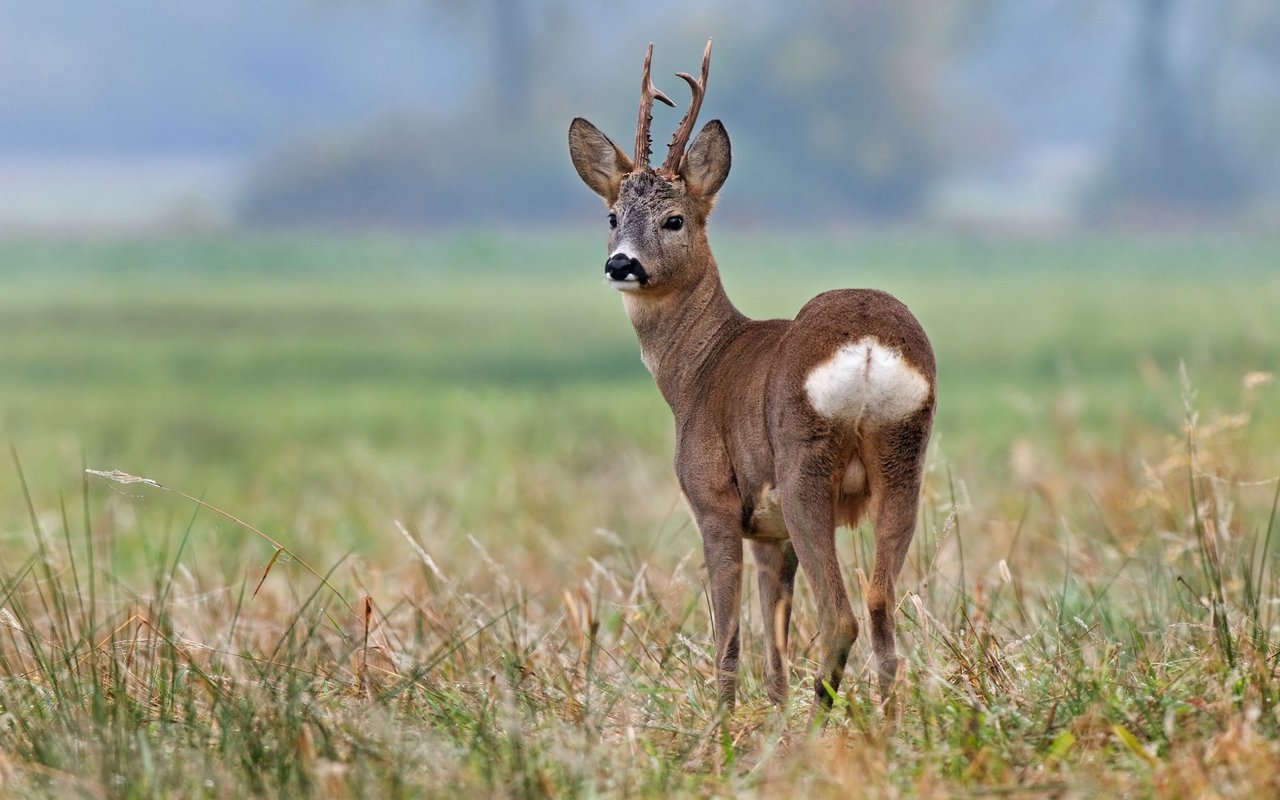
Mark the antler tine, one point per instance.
(675, 150)
(648, 93)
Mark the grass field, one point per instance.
(448, 462)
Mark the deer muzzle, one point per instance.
(623, 269)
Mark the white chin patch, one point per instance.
(866, 382)
(629, 284)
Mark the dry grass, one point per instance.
(1103, 622)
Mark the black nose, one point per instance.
(621, 267)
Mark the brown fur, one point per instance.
(749, 445)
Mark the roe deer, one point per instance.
(785, 429)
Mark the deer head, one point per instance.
(657, 217)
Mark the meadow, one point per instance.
(409, 526)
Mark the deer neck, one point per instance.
(682, 331)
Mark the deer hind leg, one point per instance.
(808, 508)
(895, 502)
(776, 562)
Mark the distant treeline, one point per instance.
(836, 110)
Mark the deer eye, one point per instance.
(673, 223)
(613, 220)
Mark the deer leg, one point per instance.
(808, 510)
(722, 550)
(895, 504)
(777, 563)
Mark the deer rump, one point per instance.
(866, 386)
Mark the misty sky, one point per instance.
(192, 75)
(92, 92)
(237, 76)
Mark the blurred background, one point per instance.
(135, 117)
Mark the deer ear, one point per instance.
(706, 165)
(600, 163)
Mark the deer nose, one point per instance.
(622, 267)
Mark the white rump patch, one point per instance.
(866, 382)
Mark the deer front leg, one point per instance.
(722, 549)
(776, 562)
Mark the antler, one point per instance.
(648, 93)
(675, 150)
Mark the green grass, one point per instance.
(459, 429)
